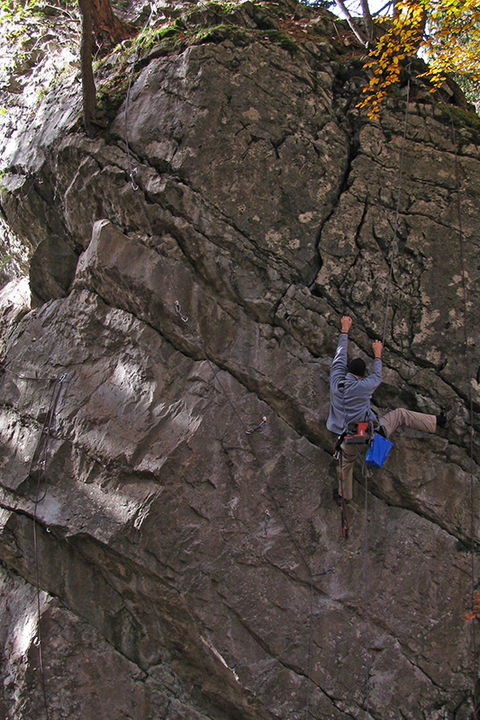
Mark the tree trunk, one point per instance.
(88, 81)
(100, 26)
(361, 37)
(107, 28)
(367, 20)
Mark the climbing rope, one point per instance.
(41, 663)
(5, 369)
(391, 259)
(41, 452)
(393, 249)
(251, 432)
(343, 505)
(40, 461)
(366, 592)
(132, 171)
(469, 375)
(249, 429)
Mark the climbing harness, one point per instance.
(358, 434)
(363, 433)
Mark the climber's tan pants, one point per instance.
(391, 421)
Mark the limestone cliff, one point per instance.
(188, 268)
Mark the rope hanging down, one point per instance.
(249, 429)
(393, 249)
(132, 171)
(41, 453)
(366, 592)
(250, 433)
(474, 599)
(391, 259)
(40, 460)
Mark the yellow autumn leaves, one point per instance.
(445, 32)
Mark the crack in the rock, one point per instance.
(308, 584)
(418, 666)
(75, 542)
(425, 515)
(263, 644)
(407, 652)
(248, 384)
(342, 187)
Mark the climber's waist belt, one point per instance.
(358, 433)
(355, 434)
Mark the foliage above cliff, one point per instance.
(445, 32)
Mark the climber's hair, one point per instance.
(357, 367)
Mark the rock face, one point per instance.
(188, 270)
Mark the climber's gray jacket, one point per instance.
(349, 395)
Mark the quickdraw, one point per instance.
(180, 312)
(266, 519)
(260, 425)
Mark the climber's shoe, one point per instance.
(444, 420)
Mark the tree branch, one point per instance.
(356, 31)
(367, 20)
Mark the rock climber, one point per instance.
(350, 397)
